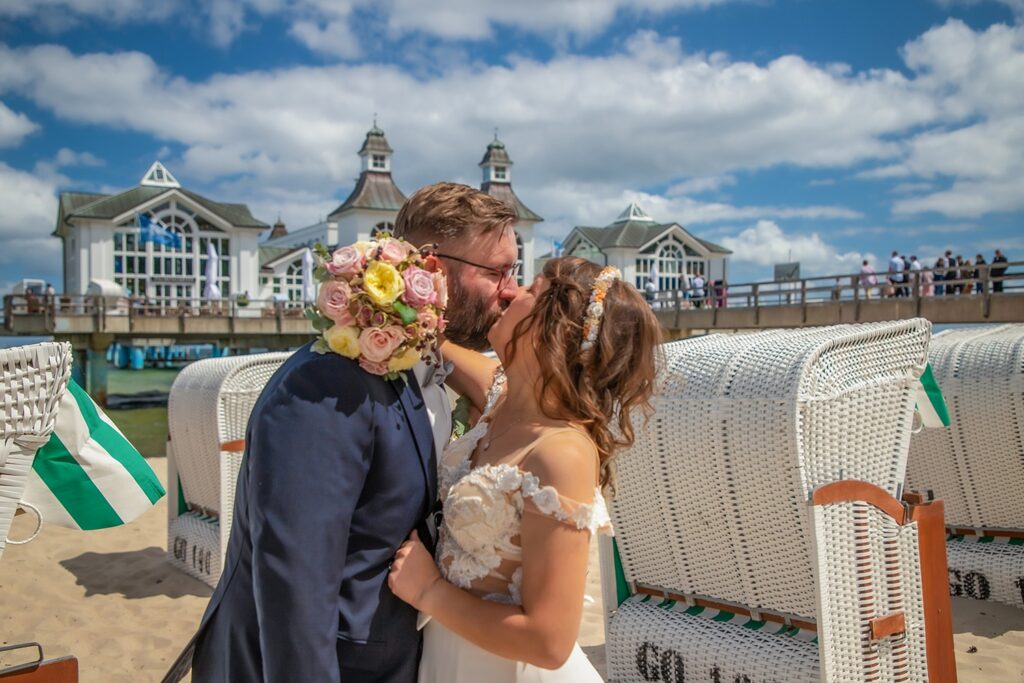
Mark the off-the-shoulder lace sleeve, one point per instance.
(546, 500)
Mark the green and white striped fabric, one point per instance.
(930, 403)
(725, 617)
(89, 476)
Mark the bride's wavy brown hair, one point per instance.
(599, 388)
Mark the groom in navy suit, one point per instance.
(340, 465)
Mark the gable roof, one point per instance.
(633, 234)
(101, 206)
(269, 256)
(374, 190)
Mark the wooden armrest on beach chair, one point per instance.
(757, 518)
(37, 669)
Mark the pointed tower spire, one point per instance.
(497, 180)
(375, 190)
(376, 152)
(496, 165)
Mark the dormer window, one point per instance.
(499, 173)
(379, 162)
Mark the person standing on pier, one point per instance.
(868, 278)
(896, 268)
(997, 271)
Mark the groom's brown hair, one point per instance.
(445, 211)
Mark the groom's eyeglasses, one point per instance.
(505, 275)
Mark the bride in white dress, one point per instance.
(522, 490)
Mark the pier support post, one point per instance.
(90, 366)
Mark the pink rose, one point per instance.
(394, 251)
(428, 320)
(419, 287)
(373, 368)
(345, 262)
(441, 289)
(376, 345)
(364, 315)
(333, 301)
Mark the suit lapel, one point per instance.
(411, 400)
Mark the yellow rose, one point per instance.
(404, 360)
(343, 340)
(383, 283)
(362, 246)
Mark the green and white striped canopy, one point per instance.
(89, 476)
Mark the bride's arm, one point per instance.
(543, 630)
(473, 373)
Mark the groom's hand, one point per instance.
(413, 572)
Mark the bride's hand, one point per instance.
(413, 572)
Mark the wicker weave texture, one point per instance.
(712, 498)
(32, 382)
(992, 569)
(977, 465)
(867, 567)
(209, 406)
(194, 547)
(651, 643)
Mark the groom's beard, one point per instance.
(469, 319)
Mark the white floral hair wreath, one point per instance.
(595, 309)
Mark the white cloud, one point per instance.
(986, 160)
(28, 209)
(701, 185)
(14, 126)
(572, 117)
(320, 24)
(333, 38)
(60, 15)
(69, 157)
(766, 244)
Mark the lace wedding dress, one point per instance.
(478, 550)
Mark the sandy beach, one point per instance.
(110, 598)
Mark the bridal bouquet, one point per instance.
(380, 302)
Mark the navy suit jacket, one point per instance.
(339, 467)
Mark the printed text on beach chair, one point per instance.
(757, 518)
(32, 381)
(976, 465)
(208, 411)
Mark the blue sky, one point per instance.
(823, 132)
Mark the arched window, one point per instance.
(670, 266)
(292, 284)
(383, 226)
(675, 262)
(165, 274)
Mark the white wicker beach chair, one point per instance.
(208, 410)
(758, 521)
(32, 382)
(976, 466)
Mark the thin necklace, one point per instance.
(489, 436)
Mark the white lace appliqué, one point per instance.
(483, 509)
